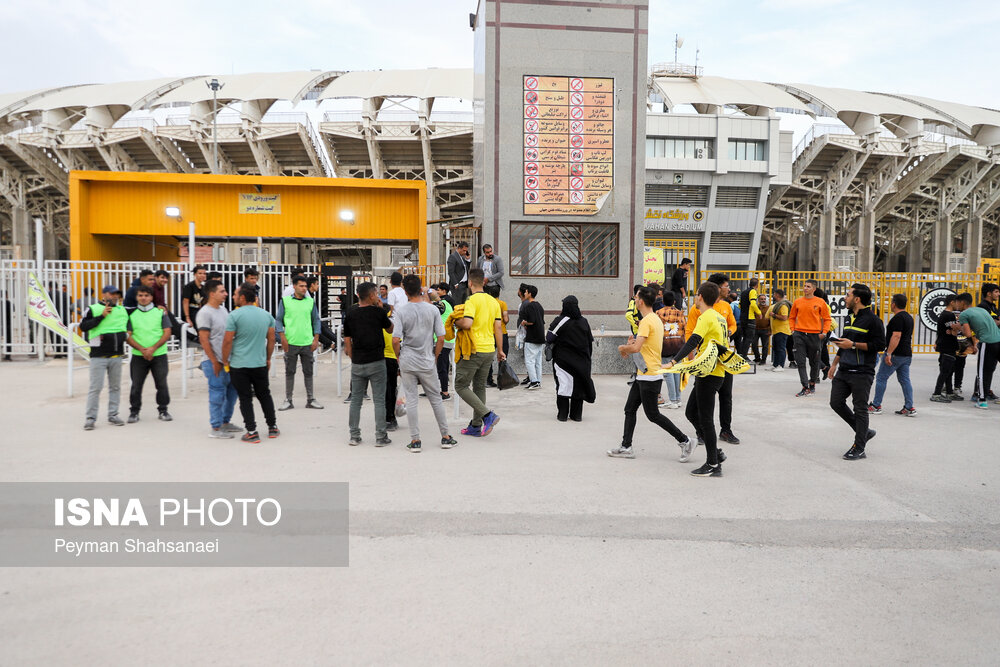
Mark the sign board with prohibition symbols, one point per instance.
(560, 113)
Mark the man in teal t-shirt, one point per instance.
(979, 323)
(246, 353)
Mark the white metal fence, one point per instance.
(74, 286)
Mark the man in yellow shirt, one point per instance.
(646, 348)
(777, 315)
(749, 312)
(710, 328)
(722, 307)
(483, 320)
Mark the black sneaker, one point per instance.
(812, 388)
(722, 456)
(869, 435)
(164, 416)
(855, 453)
(447, 442)
(273, 432)
(251, 436)
(414, 447)
(708, 470)
(803, 392)
(728, 436)
(954, 396)
(525, 381)
(133, 418)
(701, 441)
(391, 426)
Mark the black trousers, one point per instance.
(569, 408)
(726, 403)
(807, 350)
(444, 367)
(946, 370)
(645, 393)
(391, 386)
(138, 369)
(986, 364)
(761, 345)
(824, 350)
(959, 372)
(250, 382)
(858, 387)
(700, 411)
(749, 332)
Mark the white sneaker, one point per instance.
(686, 448)
(621, 453)
(220, 433)
(779, 369)
(676, 405)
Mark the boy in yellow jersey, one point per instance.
(391, 377)
(722, 307)
(482, 319)
(646, 388)
(711, 328)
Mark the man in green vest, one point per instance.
(149, 330)
(298, 325)
(105, 324)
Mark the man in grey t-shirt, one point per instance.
(211, 322)
(416, 324)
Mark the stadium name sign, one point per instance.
(674, 220)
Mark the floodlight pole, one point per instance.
(216, 87)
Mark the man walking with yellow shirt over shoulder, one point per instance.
(482, 319)
(710, 328)
(648, 344)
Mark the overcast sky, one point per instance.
(946, 50)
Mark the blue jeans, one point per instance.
(673, 382)
(779, 344)
(221, 395)
(900, 366)
(533, 354)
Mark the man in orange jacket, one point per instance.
(809, 320)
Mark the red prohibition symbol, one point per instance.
(576, 169)
(532, 111)
(531, 83)
(531, 182)
(576, 98)
(576, 155)
(575, 112)
(530, 154)
(576, 84)
(531, 97)
(576, 183)
(531, 125)
(576, 141)
(576, 126)
(531, 196)
(576, 197)
(531, 168)
(531, 139)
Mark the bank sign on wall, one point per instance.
(569, 151)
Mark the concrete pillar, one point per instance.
(21, 237)
(940, 243)
(827, 240)
(973, 242)
(915, 255)
(866, 241)
(805, 259)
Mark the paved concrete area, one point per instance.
(531, 546)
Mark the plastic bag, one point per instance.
(506, 377)
(401, 407)
(521, 335)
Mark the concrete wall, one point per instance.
(604, 39)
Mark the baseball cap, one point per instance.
(110, 289)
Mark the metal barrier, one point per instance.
(430, 274)
(924, 294)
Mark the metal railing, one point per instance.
(430, 274)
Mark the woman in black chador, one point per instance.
(572, 344)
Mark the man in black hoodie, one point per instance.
(853, 369)
(105, 324)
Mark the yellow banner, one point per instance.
(260, 204)
(41, 310)
(653, 270)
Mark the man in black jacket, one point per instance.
(853, 369)
(105, 325)
(458, 271)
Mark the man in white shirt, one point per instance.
(397, 296)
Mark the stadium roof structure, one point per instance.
(899, 166)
